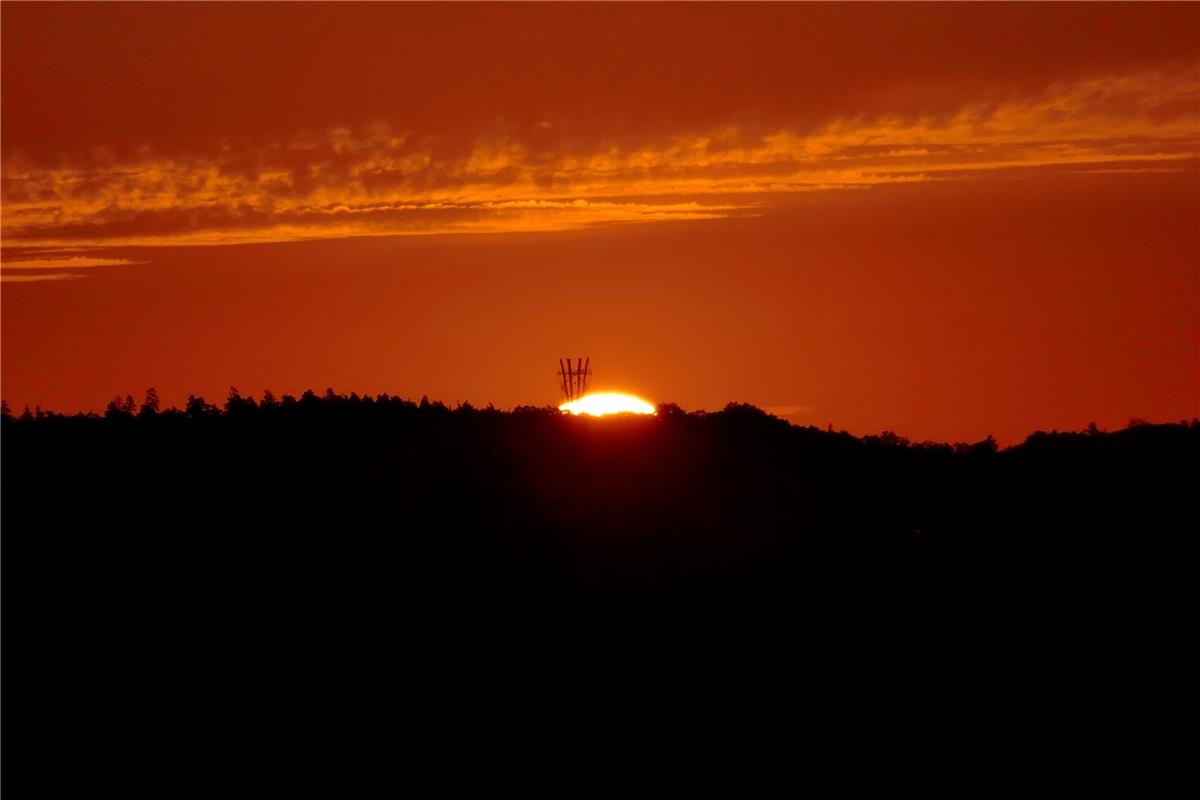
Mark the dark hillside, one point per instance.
(359, 536)
(531, 517)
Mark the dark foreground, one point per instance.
(197, 560)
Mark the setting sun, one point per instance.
(602, 403)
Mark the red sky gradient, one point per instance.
(944, 220)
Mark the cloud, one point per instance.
(53, 276)
(31, 265)
(67, 262)
(376, 181)
(789, 411)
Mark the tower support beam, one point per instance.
(573, 377)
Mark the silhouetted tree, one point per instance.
(118, 408)
(236, 405)
(150, 405)
(196, 408)
(668, 410)
(889, 439)
(987, 446)
(743, 410)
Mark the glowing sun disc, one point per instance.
(602, 403)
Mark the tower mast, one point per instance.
(573, 377)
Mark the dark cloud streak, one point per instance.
(81, 79)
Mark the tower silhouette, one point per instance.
(574, 378)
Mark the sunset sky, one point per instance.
(944, 220)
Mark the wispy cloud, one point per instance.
(52, 276)
(66, 262)
(789, 411)
(376, 181)
(23, 265)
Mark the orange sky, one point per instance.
(944, 220)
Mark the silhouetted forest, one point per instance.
(359, 533)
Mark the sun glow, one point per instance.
(599, 404)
